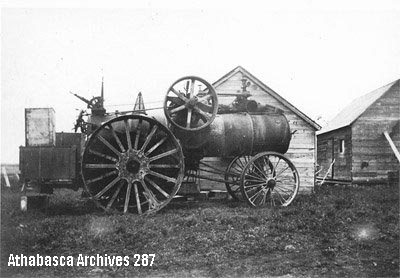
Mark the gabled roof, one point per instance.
(356, 108)
(270, 91)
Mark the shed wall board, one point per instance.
(373, 158)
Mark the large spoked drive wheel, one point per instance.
(232, 176)
(191, 103)
(132, 164)
(269, 179)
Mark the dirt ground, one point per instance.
(335, 232)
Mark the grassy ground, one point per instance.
(337, 231)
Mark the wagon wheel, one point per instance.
(232, 176)
(132, 163)
(191, 103)
(269, 178)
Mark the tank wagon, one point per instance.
(131, 162)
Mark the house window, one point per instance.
(341, 146)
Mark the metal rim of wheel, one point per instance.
(269, 179)
(191, 103)
(232, 176)
(132, 163)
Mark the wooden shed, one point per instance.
(356, 138)
(302, 149)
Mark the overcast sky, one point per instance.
(317, 58)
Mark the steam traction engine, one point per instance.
(136, 163)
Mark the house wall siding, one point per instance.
(328, 145)
(373, 158)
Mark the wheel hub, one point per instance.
(271, 183)
(192, 102)
(132, 166)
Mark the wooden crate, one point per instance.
(40, 127)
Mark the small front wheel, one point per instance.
(269, 179)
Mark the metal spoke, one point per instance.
(253, 185)
(114, 196)
(128, 135)
(276, 165)
(100, 166)
(127, 196)
(279, 194)
(164, 166)
(282, 171)
(111, 184)
(252, 198)
(201, 112)
(189, 117)
(191, 92)
(103, 155)
(162, 176)
(252, 169)
(261, 171)
(263, 195)
(105, 142)
(116, 138)
(284, 190)
(102, 176)
(241, 163)
(166, 195)
(236, 168)
(156, 146)
(163, 155)
(174, 100)
(149, 137)
(177, 109)
(248, 190)
(139, 207)
(204, 107)
(256, 178)
(139, 130)
(153, 202)
(181, 96)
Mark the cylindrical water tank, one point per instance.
(239, 134)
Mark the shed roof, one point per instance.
(357, 107)
(270, 91)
